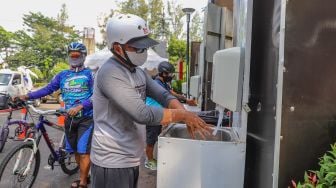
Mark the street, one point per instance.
(48, 178)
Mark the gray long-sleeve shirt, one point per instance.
(118, 109)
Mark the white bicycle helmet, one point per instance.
(130, 29)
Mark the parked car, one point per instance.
(12, 83)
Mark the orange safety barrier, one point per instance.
(23, 113)
(61, 119)
(22, 135)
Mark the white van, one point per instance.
(12, 83)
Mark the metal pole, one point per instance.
(187, 57)
(188, 11)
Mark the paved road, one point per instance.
(48, 178)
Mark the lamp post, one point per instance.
(188, 12)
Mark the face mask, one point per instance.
(77, 62)
(167, 78)
(137, 59)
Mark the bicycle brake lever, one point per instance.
(61, 112)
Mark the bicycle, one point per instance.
(23, 126)
(24, 155)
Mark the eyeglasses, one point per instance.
(74, 54)
(140, 50)
(137, 50)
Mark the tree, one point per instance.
(176, 49)
(5, 42)
(102, 21)
(43, 43)
(153, 12)
(156, 19)
(63, 16)
(58, 68)
(159, 25)
(196, 27)
(138, 7)
(175, 13)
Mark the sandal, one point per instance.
(88, 180)
(76, 183)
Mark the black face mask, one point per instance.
(167, 78)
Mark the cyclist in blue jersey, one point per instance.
(76, 85)
(165, 76)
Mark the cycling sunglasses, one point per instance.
(74, 54)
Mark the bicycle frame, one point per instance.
(41, 130)
(10, 122)
(4, 129)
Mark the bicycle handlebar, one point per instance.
(5, 94)
(48, 112)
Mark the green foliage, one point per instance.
(177, 85)
(176, 49)
(151, 11)
(156, 19)
(58, 68)
(196, 27)
(28, 58)
(102, 21)
(6, 38)
(325, 177)
(164, 22)
(38, 73)
(40, 84)
(63, 16)
(138, 7)
(43, 43)
(175, 13)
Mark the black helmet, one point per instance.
(165, 66)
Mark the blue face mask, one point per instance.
(77, 62)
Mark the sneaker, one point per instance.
(151, 164)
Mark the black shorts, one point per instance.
(114, 177)
(78, 134)
(152, 133)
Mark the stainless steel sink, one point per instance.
(180, 131)
(217, 161)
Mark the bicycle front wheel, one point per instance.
(20, 166)
(3, 137)
(68, 162)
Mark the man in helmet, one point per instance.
(76, 85)
(120, 112)
(165, 76)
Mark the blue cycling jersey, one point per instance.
(163, 84)
(76, 88)
(152, 102)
